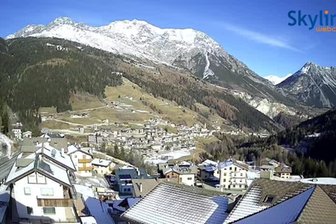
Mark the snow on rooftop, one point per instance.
(55, 154)
(57, 172)
(101, 162)
(319, 180)
(208, 162)
(71, 149)
(88, 220)
(288, 210)
(247, 206)
(171, 204)
(163, 158)
(84, 190)
(15, 172)
(224, 164)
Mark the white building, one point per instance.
(42, 191)
(17, 133)
(27, 134)
(187, 179)
(81, 158)
(184, 175)
(233, 174)
(102, 166)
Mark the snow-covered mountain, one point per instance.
(143, 40)
(135, 38)
(276, 79)
(313, 84)
(183, 48)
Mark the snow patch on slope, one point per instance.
(276, 79)
(207, 71)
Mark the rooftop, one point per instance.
(230, 162)
(101, 162)
(292, 201)
(143, 186)
(41, 166)
(55, 155)
(168, 203)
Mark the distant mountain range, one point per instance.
(182, 65)
(312, 85)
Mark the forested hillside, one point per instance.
(308, 147)
(37, 73)
(43, 72)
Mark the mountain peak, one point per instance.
(63, 20)
(307, 67)
(313, 84)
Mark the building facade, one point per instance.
(233, 175)
(82, 159)
(42, 192)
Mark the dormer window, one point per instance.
(269, 199)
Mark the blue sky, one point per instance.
(255, 32)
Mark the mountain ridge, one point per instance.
(186, 49)
(39, 63)
(313, 85)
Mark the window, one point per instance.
(224, 180)
(27, 191)
(49, 210)
(239, 186)
(241, 174)
(189, 178)
(230, 168)
(29, 210)
(47, 192)
(268, 199)
(235, 168)
(32, 178)
(224, 174)
(41, 179)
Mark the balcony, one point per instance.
(55, 202)
(84, 160)
(88, 168)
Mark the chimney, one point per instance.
(140, 188)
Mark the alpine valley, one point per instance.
(65, 63)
